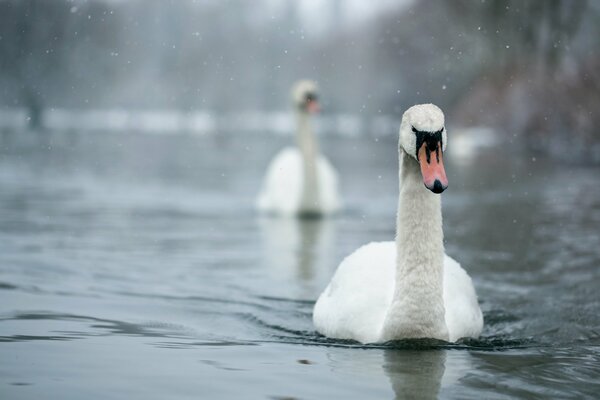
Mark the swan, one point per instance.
(408, 288)
(299, 180)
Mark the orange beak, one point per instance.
(432, 168)
(312, 106)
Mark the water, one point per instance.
(133, 266)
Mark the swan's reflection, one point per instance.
(410, 374)
(299, 250)
(415, 374)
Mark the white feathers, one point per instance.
(301, 89)
(408, 288)
(423, 117)
(355, 303)
(299, 180)
(281, 193)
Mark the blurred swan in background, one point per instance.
(300, 181)
(408, 288)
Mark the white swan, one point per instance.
(408, 288)
(299, 180)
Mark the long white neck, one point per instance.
(417, 309)
(308, 148)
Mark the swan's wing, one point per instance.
(282, 186)
(354, 304)
(463, 315)
(328, 186)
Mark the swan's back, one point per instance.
(355, 303)
(281, 192)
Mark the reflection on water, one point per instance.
(415, 374)
(298, 249)
(138, 262)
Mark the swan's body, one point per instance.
(346, 310)
(299, 180)
(408, 288)
(284, 183)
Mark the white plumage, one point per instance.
(408, 288)
(355, 303)
(284, 181)
(300, 180)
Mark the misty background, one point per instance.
(135, 136)
(528, 68)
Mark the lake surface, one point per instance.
(134, 266)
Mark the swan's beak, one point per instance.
(313, 107)
(432, 168)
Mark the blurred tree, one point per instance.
(49, 48)
(32, 49)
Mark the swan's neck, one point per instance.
(307, 144)
(417, 308)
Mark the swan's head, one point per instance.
(423, 137)
(305, 97)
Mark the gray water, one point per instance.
(134, 266)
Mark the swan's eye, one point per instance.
(442, 130)
(414, 129)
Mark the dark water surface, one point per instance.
(134, 266)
